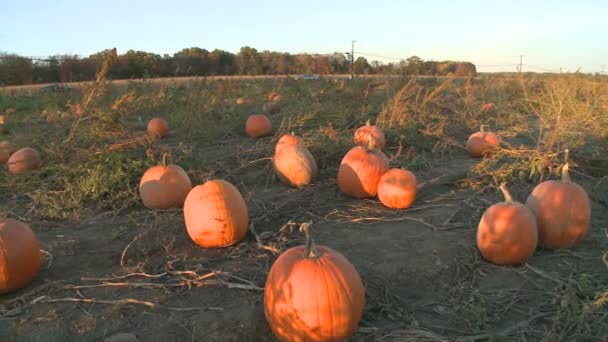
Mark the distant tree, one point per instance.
(361, 66)
(414, 64)
(248, 61)
(15, 70)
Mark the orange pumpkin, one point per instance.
(481, 143)
(19, 255)
(313, 293)
(397, 188)
(360, 171)
(216, 214)
(258, 126)
(363, 133)
(23, 160)
(507, 233)
(274, 97)
(240, 101)
(8, 146)
(295, 165)
(158, 128)
(562, 210)
(286, 140)
(2, 119)
(271, 107)
(487, 107)
(164, 186)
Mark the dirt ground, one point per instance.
(423, 275)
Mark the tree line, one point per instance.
(194, 61)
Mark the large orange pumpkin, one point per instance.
(562, 210)
(164, 186)
(287, 139)
(216, 214)
(158, 128)
(295, 165)
(25, 159)
(397, 188)
(481, 143)
(258, 126)
(313, 294)
(360, 171)
(363, 133)
(19, 255)
(507, 233)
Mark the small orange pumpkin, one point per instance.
(158, 128)
(19, 255)
(313, 293)
(397, 188)
(258, 126)
(164, 186)
(23, 160)
(8, 146)
(295, 165)
(274, 97)
(481, 143)
(363, 133)
(286, 140)
(216, 214)
(507, 233)
(271, 107)
(487, 107)
(3, 119)
(361, 170)
(562, 210)
(240, 101)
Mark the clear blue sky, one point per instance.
(549, 33)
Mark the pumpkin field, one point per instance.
(379, 172)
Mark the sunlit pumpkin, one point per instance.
(562, 210)
(363, 133)
(2, 119)
(19, 255)
(507, 233)
(286, 140)
(271, 107)
(216, 214)
(361, 169)
(258, 126)
(397, 188)
(23, 160)
(487, 107)
(158, 128)
(313, 294)
(240, 101)
(295, 166)
(164, 186)
(274, 97)
(482, 142)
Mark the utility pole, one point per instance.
(352, 60)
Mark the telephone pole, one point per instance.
(352, 60)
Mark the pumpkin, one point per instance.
(8, 146)
(313, 293)
(397, 188)
(286, 140)
(23, 160)
(295, 166)
(258, 126)
(4, 156)
(216, 214)
(481, 143)
(2, 119)
(240, 101)
(158, 128)
(19, 255)
(562, 210)
(164, 186)
(363, 133)
(274, 97)
(271, 107)
(507, 233)
(361, 170)
(487, 107)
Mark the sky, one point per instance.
(550, 34)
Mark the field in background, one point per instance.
(114, 266)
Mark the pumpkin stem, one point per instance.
(368, 123)
(566, 156)
(371, 142)
(311, 250)
(165, 158)
(566, 174)
(482, 128)
(506, 193)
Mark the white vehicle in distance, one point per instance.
(307, 77)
